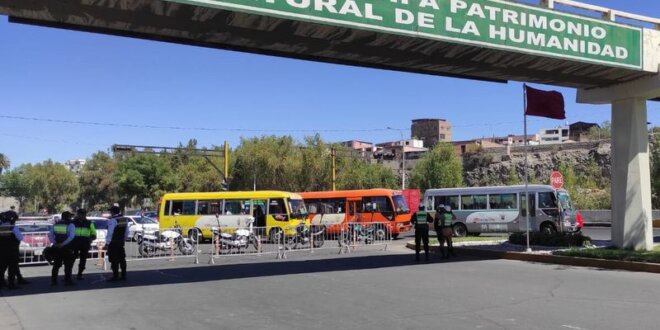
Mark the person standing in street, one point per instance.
(445, 218)
(10, 239)
(85, 234)
(117, 235)
(421, 221)
(62, 235)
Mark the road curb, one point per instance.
(553, 259)
(564, 260)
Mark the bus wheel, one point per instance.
(548, 228)
(460, 230)
(194, 234)
(395, 236)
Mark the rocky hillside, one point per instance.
(494, 166)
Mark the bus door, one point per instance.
(354, 209)
(523, 212)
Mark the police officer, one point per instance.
(421, 220)
(63, 234)
(117, 235)
(445, 217)
(85, 234)
(10, 238)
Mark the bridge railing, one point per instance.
(606, 13)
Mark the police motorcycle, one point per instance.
(357, 232)
(304, 235)
(166, 241)
(240, 239)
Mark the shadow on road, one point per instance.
(205, 273)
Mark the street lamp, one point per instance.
(403, 157)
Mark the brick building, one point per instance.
(431, 131)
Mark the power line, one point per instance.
(212, 129)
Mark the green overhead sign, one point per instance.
(488, 23)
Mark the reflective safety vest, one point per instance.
(447, 219)
(85, 229)
(120, 230)
(60, 231)
(420, 219)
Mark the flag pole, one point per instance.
(526, 174)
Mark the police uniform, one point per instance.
(421, 220)
(85, 234)
(117, 235)
(10, 238)
(62, 235)
(444, 219)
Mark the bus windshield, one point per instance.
(298, 210)
(400, 202)
(564, 200)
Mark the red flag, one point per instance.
(544, 104)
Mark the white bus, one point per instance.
(503, 209)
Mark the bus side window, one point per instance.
(277, 209)
(166, 210)
(429, 203)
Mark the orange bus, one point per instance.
(332, 208)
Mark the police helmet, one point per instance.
(114, 210)
(66, 215)
(448, 208)
(81, 212)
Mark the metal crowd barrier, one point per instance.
(351, 237)
(235, 241)
(166, 243)
(31, 248)
(170, 244)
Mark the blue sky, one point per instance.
(75, 76)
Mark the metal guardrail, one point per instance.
(606, 13)
(604, 217)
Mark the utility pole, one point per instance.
(403, 157)
(333, 153)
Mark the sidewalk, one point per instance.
(501, 249)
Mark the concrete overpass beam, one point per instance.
(632, 225)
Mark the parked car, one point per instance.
(138, 225)
(101, 225)
(35, 237)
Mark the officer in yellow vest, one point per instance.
(85, 234)
(62, 235)
(445, 218)
(421, 220)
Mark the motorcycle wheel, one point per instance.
(290, 243)
(186, 247)
(318, 241)
(275, 235)
(344, 239)
(369, 239)
(146, 251)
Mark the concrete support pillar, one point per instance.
(631, 188)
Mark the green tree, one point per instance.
(513, 178)
(4, 163)
(439, 168)
(355, 173)
(144, 176)
(655, 174)
(16, 183)
(601, 133)
(53, 185)
(98, 189)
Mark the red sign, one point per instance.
(556, 180)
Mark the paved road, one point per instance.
(370, 289)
